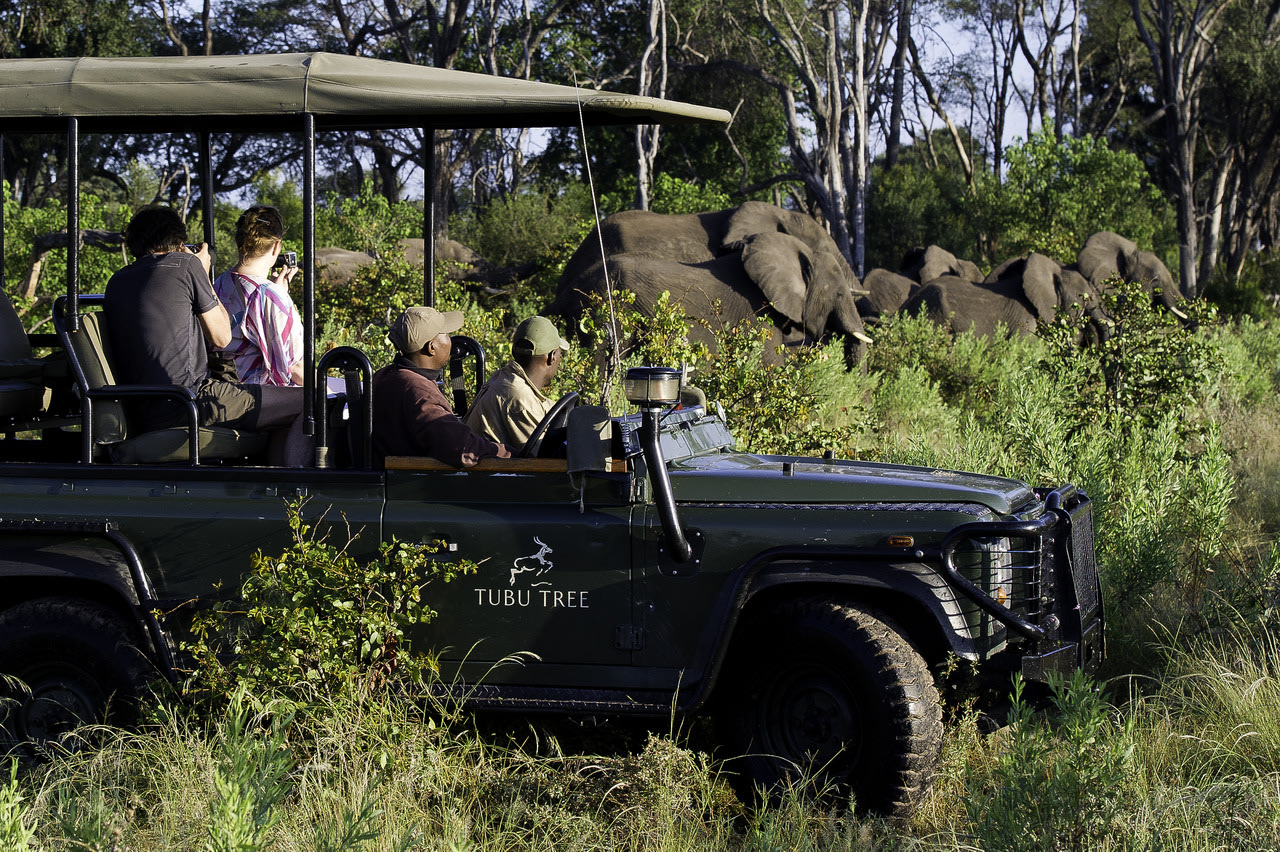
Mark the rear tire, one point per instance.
(67, 663)
(836, 697)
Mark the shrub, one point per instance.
(368, 222)
(1151, 366)
(525, 225)
(1054, 785)
(314, 620)
(22, 225)
(772, 407)
(669, 195)
(1057, 192)
(16, 831)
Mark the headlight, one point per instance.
(649, 387)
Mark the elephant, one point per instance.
(886, 293)
(923, 265)
(756, 259)
(1107, 254)
(336, 267)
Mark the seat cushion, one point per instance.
(170, 445)
(91, 351)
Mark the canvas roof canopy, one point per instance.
(270, 92)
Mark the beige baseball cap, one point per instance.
(537, 336)
(416, 327)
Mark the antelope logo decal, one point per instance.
(536, 564)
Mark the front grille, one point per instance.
(1084, 571)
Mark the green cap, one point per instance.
(537, 336)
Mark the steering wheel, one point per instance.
(557, 417)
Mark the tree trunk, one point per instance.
(893, 141)
(653, 83)
(1179, 41)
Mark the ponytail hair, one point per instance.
(257, 230)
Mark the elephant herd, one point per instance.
(758, 259)
(1019, 293)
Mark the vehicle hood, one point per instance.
(749, 478)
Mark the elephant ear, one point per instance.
(777, 263)
(1040, 279)
(937, 263)
(757, 217)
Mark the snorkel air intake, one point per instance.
(653, 389)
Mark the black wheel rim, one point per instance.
(810, 716)
(60, 698)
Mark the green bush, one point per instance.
(526, 225)
(1151, 366)
(1055, 785)
(16, 831)
(368, 222)
(313, 621)
(22, 225)
(1057, 192)
(914, 205)
(668, 194)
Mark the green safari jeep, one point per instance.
(803, 603)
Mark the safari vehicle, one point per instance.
(804, 603)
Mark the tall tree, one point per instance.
(1180, 36)
(653, 83)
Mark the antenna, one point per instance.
(615, 360)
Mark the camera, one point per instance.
(193, 248)
(286, 260)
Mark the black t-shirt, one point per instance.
(152, 315)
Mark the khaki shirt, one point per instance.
(508, 407)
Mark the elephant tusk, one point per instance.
(1178, 313)
(863, 336)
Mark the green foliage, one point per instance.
(917, 204)
(526, 225)
(367, 222)
(669, 194)
(773, 407)
(972, 373)
(16, 831)
(1249, 293)
(1057, 192)
(1151, 365)
(70, 28)
(251, 778)
(22, 225)
(314, 620)
(1054, 786)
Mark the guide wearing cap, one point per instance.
(411, 415)
(511, 404)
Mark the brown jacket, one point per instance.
(412, 417)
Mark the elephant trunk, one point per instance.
(848, 322)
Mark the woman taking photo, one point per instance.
(266, 330)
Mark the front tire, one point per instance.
(836, 697)
(66, 663)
